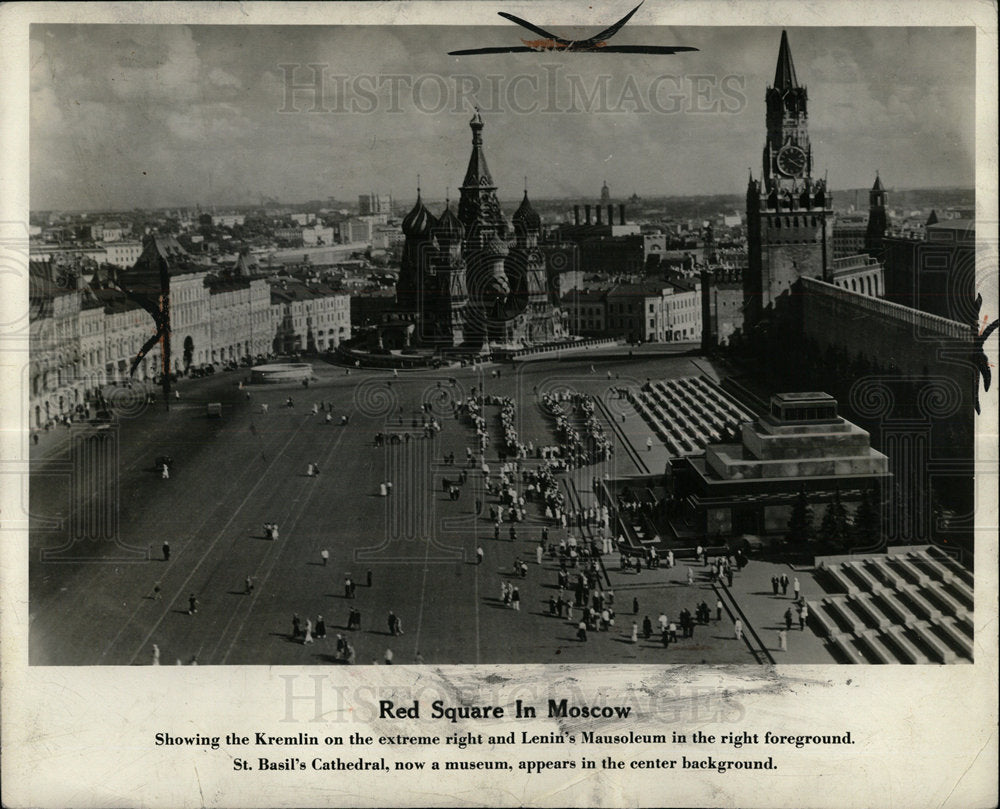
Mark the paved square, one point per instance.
(231, 476)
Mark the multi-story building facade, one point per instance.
(654, 312)
(86, 333)
(123, 254)
(586, 311)
(308, 317)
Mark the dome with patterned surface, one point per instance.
(526, 217)
(419, 221)
(449, 228)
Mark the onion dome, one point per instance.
(496, 246)
(526, 217)
(449, 227)
(419, 221)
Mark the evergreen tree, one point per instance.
(800, 527)
(867, 529)
(834, 525)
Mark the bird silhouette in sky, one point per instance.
(595, 44)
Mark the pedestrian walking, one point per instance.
(296, 626)
(635, 606)
(690, 575)
(738, 629)
(320, 627)
(166, 551)
(309, 633)
(515, 599)
(538, 554)
(165, 472)
(192, 604)
(581, 632)
(249, 585)
(156, 655)
(788, 618)
(784, 584)
(635, 632)
(325, 556)
(803, 614)
(479, 555)
(649, 444)
(795, 588)
(368, 577)
(718, 610)
(729, 576)
(783, 640)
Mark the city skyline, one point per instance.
(162, 116)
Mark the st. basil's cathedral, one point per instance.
(474, 279)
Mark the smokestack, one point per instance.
(621, 213)
(586, 210)
(576, 214)
(598, 207)
(611, 214)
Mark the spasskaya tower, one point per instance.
(789, 213)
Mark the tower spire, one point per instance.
(478, 206)
(784, 72)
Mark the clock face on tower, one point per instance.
(791, 161)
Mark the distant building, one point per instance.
(375, 204)
(849, 235)
(123, 254)
(112, 232)
(228, 220)
(317, 235)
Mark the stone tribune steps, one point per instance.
(949, 631)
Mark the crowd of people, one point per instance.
(577, 451)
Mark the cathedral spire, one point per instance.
(478, 206)
(784, 73)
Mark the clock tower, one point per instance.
(789, 214)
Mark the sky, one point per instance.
(128, 117)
